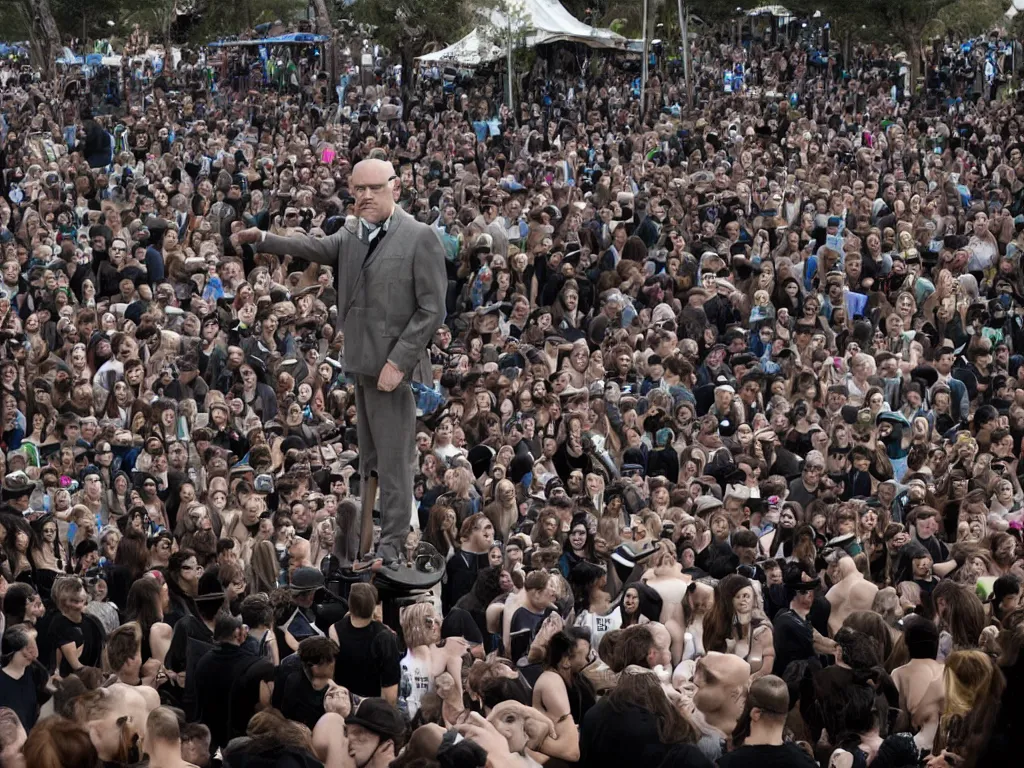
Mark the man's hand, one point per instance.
(390, 377)
(249, 236)
(475, 728)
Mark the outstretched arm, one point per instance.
(322, 251)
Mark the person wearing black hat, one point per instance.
(376, 732)
(228, 682)
(796, 639)
(193, 634)
(305, 581)
(17, 489)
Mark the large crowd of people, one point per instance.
(719, 441)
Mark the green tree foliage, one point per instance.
(33, 20)
(899, 22)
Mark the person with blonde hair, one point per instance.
(425, 660)
(973, 687)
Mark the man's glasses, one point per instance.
(362, 189)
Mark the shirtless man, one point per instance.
(919, 682)
(721, 680)
(567, 656)
(163, 740)
(851, 593)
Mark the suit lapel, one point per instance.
(367, 262)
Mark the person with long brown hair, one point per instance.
(56, 742)
(636, 724)
(736, 625)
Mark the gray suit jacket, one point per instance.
(389, 306)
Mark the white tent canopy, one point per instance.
(774, 10)
(545, 21)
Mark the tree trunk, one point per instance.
(323, 27)
(45, 37)
(684, 22)
(408, 65)
(914, 53)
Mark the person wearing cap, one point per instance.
(195, 627)
(17, 490)
(713, 366)
(376, 733)
(796, 638)
(304, 583)
(391, 286)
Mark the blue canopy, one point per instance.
(295, 38)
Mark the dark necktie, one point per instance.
(375, 239)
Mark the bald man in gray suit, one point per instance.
(391, 292)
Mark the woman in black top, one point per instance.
(147, 600)
(77, 636)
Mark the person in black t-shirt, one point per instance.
(303, 679)
(476, 535)
(527, 619)
(77, 636)
(795, 636)
(759, 730)
(369, 663)
(23, 679)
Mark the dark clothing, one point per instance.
(369, 660)
(87, 635)
(241, 754)
(831, 690)
(611, 738)
(191, 640)
(798, 492)
(26, 694)
(664, 462)
(786, 755)
(523, 629)
(294, 694)
(461, 571)
(794, 640)
(227, 690)
(186, 627)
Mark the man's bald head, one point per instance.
(372, 170)
(371, 186)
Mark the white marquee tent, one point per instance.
(545, 21)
